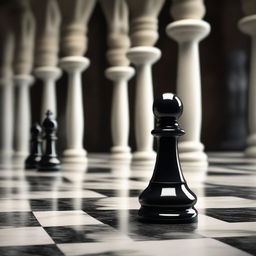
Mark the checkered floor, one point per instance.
(93, 211)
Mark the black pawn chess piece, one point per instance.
(35, 147)
(49, 161)
(167, 197)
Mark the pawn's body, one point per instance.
(167, 197)
(49, 161)
(35, 155)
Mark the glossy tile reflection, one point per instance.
(92, 210)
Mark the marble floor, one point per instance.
(92, 210)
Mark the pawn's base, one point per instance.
(49, 164)
(163, 215)
(32, 162)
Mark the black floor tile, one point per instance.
(245, 243)
(18, 219)
(233, 214)
(35, 250)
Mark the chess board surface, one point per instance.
(93, 211)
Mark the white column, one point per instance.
(120, 111)
(75, 16)
(248, 26)
(48, 19)
(7, 93)
(22, 65)
(116, 13)
(23, 116)
(144, 34)
(188, 30)
(74, 66)
(143, 57)
(48, 75)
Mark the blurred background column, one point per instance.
(248, 26)
(116, 13)
(143, 54)
(6, 86)
(22, 66)
(76, 15)
(47, 16)
(188, 30)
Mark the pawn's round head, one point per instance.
(168, 105)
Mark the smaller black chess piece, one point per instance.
(167, 198)
(49, 160)
(35, 155)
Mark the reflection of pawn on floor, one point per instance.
(49, 161)
(35, 147)
(167, 197)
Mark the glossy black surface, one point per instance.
(35, 148)
(167, 197)
(49, 161)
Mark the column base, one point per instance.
(5, 158)
(73, 156)
(250, 150)
(119, 153)
(20, 154)
(144, 156)
(192, 154)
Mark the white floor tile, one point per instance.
(10, 205)
(192, 247)
(65, 218)
(224, 202)
(24, 236)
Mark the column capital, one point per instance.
(74, 63)
(188, 30)
(144, 22)
(144, 55)
(24, 38)
(248, 7)
(47, 15)
(23, 79)
(116, 13)
(248, 25)
(75, 17)
(48, 72)
(187, 9)
(119, 73)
